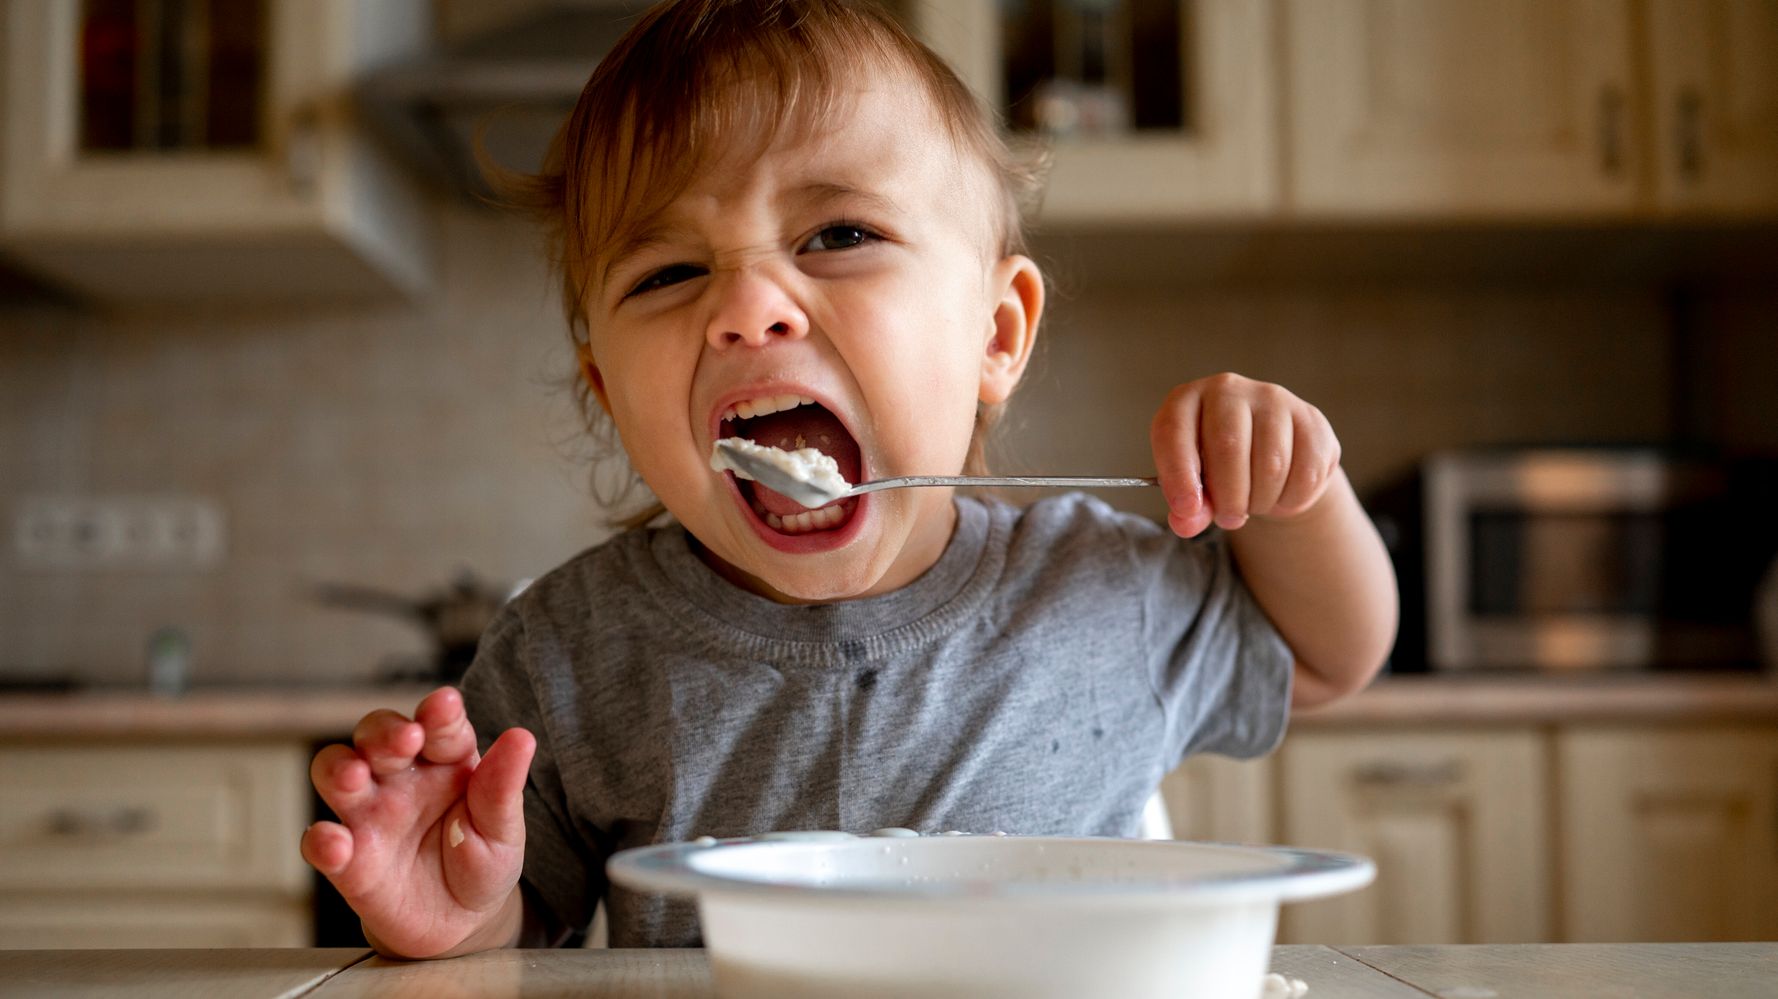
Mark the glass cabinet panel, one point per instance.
(1153, 110)
(1093, 67)
(171, 75)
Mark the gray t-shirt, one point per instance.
(1040, 679)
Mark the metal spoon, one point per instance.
(813, 496)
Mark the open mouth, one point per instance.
(794, 422)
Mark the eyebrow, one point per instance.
(822, 191)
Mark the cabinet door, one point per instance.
(1460, 107)
(1220, 159)
(1669, 835)
(1220, 800)
(1715, 95)
(303, 204)
(1455, 823)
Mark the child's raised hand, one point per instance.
(1227, 448)
(431, 837)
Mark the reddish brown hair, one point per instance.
(694, 78)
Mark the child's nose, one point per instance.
(754, 310)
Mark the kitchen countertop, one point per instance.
(324, 713)
(246, 712)
(1493, 971)
(1567, 699)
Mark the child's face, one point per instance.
(854, 267)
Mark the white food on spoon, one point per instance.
(808, 465)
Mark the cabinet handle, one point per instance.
(125, 820)
(1385, 773)
(1611, 130)
(1689, 133)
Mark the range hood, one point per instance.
(513, 85)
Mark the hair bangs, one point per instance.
(701, 85)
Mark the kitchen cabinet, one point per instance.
(1669, 834)
(1518, 109)
(1456, 822)
(1714, 94)
(1495, 109)
(1206, 152)
(163, 845)
(1220, 800)
(1379, 110)
(135, 170)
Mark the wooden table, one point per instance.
(1512, 971)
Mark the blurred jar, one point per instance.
(169, 662)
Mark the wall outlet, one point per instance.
(118, 532)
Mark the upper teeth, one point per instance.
(765, 404)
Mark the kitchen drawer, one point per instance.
(39, 923)
(215, 815)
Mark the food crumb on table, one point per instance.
(1277, 986)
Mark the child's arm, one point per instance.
(1264, 465)
(431, 837)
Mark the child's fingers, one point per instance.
(1274, 435)
(342, 779)
(1174, 438)
(1316, 455)
(496, 794)
(1226, 439)
(388, 741)
(328, 848)
(332, 849)
(449, 738)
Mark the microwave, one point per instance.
(1590, 559)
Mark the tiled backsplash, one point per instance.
(1398, 372)
(387, 447)
(394, 445)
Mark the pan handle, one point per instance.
(366, 598)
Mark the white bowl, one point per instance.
(828, 914)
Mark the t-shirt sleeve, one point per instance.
(564, 874)
(1220, 669)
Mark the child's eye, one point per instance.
(669, 275)
(840, 236)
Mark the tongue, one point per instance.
(794, 429)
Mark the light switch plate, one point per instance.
(118, 532)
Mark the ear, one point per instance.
(589, 370)
(1013, 327)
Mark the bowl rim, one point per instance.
(1305, 874)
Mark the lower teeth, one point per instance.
(807, 521)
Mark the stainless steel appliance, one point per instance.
(1589, 558)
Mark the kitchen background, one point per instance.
(332, 366)
(394, 445)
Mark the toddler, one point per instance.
(787, 221)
